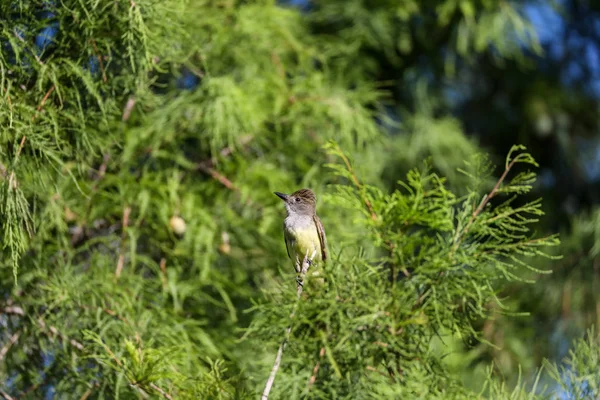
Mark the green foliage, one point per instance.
(579, 378)
(141, 243)
(378, 311)
(358, 33)
(565, 301)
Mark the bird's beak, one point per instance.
(282, 196)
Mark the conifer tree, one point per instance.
(142, 254)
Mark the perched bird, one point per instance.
(302, 229)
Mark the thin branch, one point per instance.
(43, 102)
(13, 339)
(6, 395)
(207, 166)
(87, 393)
(276, 365)
(218, 177)
(162, 392)
(21, 146)
(299, 288)
(16, 310)
(482, 205)
(121, 261)
(313, 377)
(128, 108)
(102, 170)
(56, 332)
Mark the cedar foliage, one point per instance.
(141, 244)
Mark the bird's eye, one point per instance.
(297, 198)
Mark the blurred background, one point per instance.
(234, 89)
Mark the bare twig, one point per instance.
(6, 395)
(16, 310)
(56, 332)
(21, 144)
(299, 288)
(102, 169)
(217, 176)
(313, 377)
(13, 339)
(43, 102)
(207, 166)
(162, 392)
(86, 394)
(121, 261)
(276, 365)
(128, 108)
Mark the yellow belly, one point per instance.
(303, 242)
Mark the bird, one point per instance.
(302, 229)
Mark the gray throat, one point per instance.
(295, 221)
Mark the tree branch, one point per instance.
(6, 395)
(13, 339)
(121, 261)
(162, 392)
(128, 108)
(43, 102)
(207, 166)
(313, 377)
(299, 288)
(482, 205)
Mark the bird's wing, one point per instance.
(287, 244)
(322, 237)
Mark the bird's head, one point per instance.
(302, 202)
